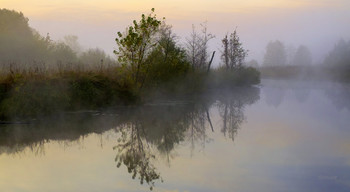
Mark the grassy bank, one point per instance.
(30, 95)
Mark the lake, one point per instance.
(279, 136)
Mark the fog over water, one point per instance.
(157, 114)
(283, 136)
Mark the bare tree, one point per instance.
(197, 47)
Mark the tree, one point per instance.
(73, 43)
(135, 45)
(135, 154)
(339, 57)
(290, 54)
(62, 53)
(233, 53)
(23, 48)
(302, 56)
(19, 42)
(95, 58)
(197, 47)
(275, 54)
(167, 61)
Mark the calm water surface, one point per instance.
(280, 136)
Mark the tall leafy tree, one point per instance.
(136, 43)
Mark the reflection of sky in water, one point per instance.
(300, 144)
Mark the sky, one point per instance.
(318, 24)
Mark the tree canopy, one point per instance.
(147, 49)
(17, 39)
(23, 47)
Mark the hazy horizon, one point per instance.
(315, 24)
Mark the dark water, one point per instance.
(280, 136)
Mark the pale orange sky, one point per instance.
(315, 23)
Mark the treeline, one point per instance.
(39, 75)
(24, 50)
(282, 62)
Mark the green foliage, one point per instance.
(135, 155)
(167, 61)
(95, 91)
(136, 43)
(148, 53)
(35, 98)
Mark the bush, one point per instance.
(223, 78)
(34, 98)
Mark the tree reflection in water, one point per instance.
(231, 109)
(162, 126)
(136, 155)
(146, 133)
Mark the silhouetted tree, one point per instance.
(73, 43)
(19, 42)
(339, 57)
(135, 154)
(275, 54)
(302, 56)
(95, 59)
(23, 48)
(197, 47)
(233, 54)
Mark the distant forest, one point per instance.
(282, 62)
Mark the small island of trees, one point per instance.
(40, 76)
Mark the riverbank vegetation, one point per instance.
(40, 76)
(282, 63)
